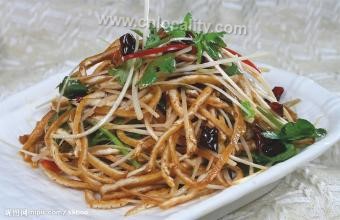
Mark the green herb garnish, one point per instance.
(232, 69)
(290, 132)
(176, 30)
(210, 43)
(289, 152)
(98, 138)
(248, 111)
(271, 117)
(122, 71)
(293, 131)
(72, 88)
(153, 40)
(104, 136)
(180, 30)
(204, 42)
(161, 65)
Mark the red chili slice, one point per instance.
(277, 107)
(143, 53)
(248, 62)
(278, 90)
(50, 165)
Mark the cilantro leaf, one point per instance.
(161, 65)
(209, 42)
(215, 38)
(122, 71)
(320, 132)
(187, 21)
(288, 134)
(301, 129)
(173, 31)
(248, 111)
(72, 88)
(153, 40)
(211, 49)
(289, 152)
(232, 69)
(179, 30)
(166, 63)
(293, 131)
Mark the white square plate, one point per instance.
(22, 187)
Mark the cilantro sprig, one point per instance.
(210, 43)
(180, 30)
(231, 69)
(204, 42)
(122, 71)
(172, 31)
(162, 65)
(153, 40)
(288, 134)
(294, 131)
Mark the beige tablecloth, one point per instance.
(40, 38)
